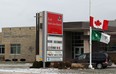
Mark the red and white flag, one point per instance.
(101, 24)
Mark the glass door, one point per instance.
(78, 51)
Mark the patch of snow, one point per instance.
(38, 71)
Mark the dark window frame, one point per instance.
(15, 49)
(2, 49)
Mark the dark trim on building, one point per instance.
(37, 33)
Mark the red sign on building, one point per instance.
(54, 23)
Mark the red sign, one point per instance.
(54, 23)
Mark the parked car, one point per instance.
(99, 60)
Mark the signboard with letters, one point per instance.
(53, 36)
(54, 43)
(54, 23)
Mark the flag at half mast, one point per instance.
(101, 24)
(101, 37)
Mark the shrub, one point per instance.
(7, 60)
(39, 64)
(112, 57)
(14, 60)
(22, 59)
(61, 65)
(68, 64)
(47, 64)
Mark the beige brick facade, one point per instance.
(0, 37)
(25, 36)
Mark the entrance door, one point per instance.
(78, 51)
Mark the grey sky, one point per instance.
(15, 13)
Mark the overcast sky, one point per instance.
(16, 13)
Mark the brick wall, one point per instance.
(25, 36)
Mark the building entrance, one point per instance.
(77, 44)
(78, 51)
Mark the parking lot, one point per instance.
(24, 69)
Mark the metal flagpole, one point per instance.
(90, 62)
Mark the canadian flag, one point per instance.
(101, 24)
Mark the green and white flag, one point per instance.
(101, 37)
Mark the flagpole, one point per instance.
(90, 62)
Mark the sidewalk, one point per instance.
(15, 65)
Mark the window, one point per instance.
(15, 48)
(2, 49)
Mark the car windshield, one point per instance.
(83, 56)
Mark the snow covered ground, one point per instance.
(24, 69)
(29, 71)
(57, 71)
(15, 65)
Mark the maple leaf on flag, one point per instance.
(101, 24)
(98, 23)
(59, 18)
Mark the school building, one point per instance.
(19, 43)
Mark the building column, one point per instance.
(86, 41)
(86, 46)
(7, 51)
